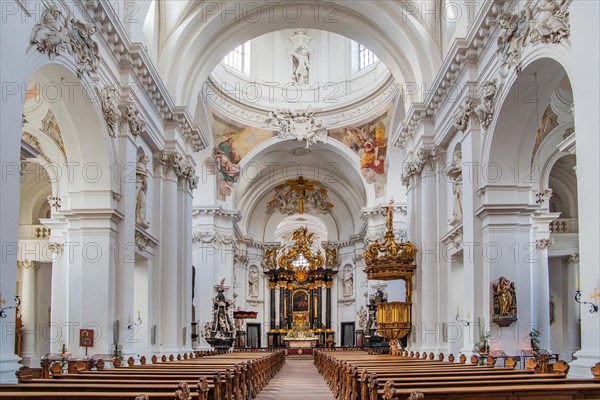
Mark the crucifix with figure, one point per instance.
(301, 186)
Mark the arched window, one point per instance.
(366, 58)
(238, 58)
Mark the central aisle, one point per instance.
(297, 380)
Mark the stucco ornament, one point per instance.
(461, 119)
(485, 110)
(513, 38)
(141, 186)
(110, 109)
(299, 125)
(131, 117)
(53, 32)
(553, 22)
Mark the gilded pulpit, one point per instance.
(391, 260)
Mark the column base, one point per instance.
(9, 365)
(30, 360)
(586, 359)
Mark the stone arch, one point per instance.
(90, 153)
(520, 105)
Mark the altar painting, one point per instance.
(300, 301)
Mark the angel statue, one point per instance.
(301, 65)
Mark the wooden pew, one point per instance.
(219, 377)
(362, 376)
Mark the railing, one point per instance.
(564, 225)
(34, 232)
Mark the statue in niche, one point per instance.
(301, 65)
(505, 302)
(141, 186)
(348, 281)
(253, 282)
(455, 174)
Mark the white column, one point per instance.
(474, 270)
(14, 34)
(572, 309)
(540, 291)
(185, 262)
(30, 358)
(428, 283)
(585, 58)
(125, 271)
(168, 325)
(414, 229)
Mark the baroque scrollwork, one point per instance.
(553, 23)
(131, 117)
(269, 260)
(483, 110)
(53, 33)
(299, 125)
(142, 241)
(423, 158)
(513, 38)
(544, 244)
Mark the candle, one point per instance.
(468, 315)
(457, 310)
(578, 282)
(129, 318)
(139, 316)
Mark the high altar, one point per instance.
(300, 272)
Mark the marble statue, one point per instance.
(362, 317)
(301, 66)
(455, 174)
(253, 283)
(110, 109)
(50, 34)
(141, 187)
(348, 281)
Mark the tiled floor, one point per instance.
(297, 380)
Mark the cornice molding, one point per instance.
(133, 56)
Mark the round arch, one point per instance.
(90, 153)
(204, 36)
(520, 107)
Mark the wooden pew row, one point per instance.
(391, 378)
(163, 378)
(241, 376)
